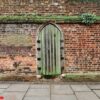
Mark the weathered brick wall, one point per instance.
(64, 7)
(81, 47)
(16, 47)
(18, 41)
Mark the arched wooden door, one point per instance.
(49, 50)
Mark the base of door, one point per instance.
(39, 76)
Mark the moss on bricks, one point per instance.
(29, 18)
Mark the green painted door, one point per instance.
(49, 50)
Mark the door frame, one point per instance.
(37, 35)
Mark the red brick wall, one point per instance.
(81, 47)
(18, 52)
(66, 7)
(82, 43)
